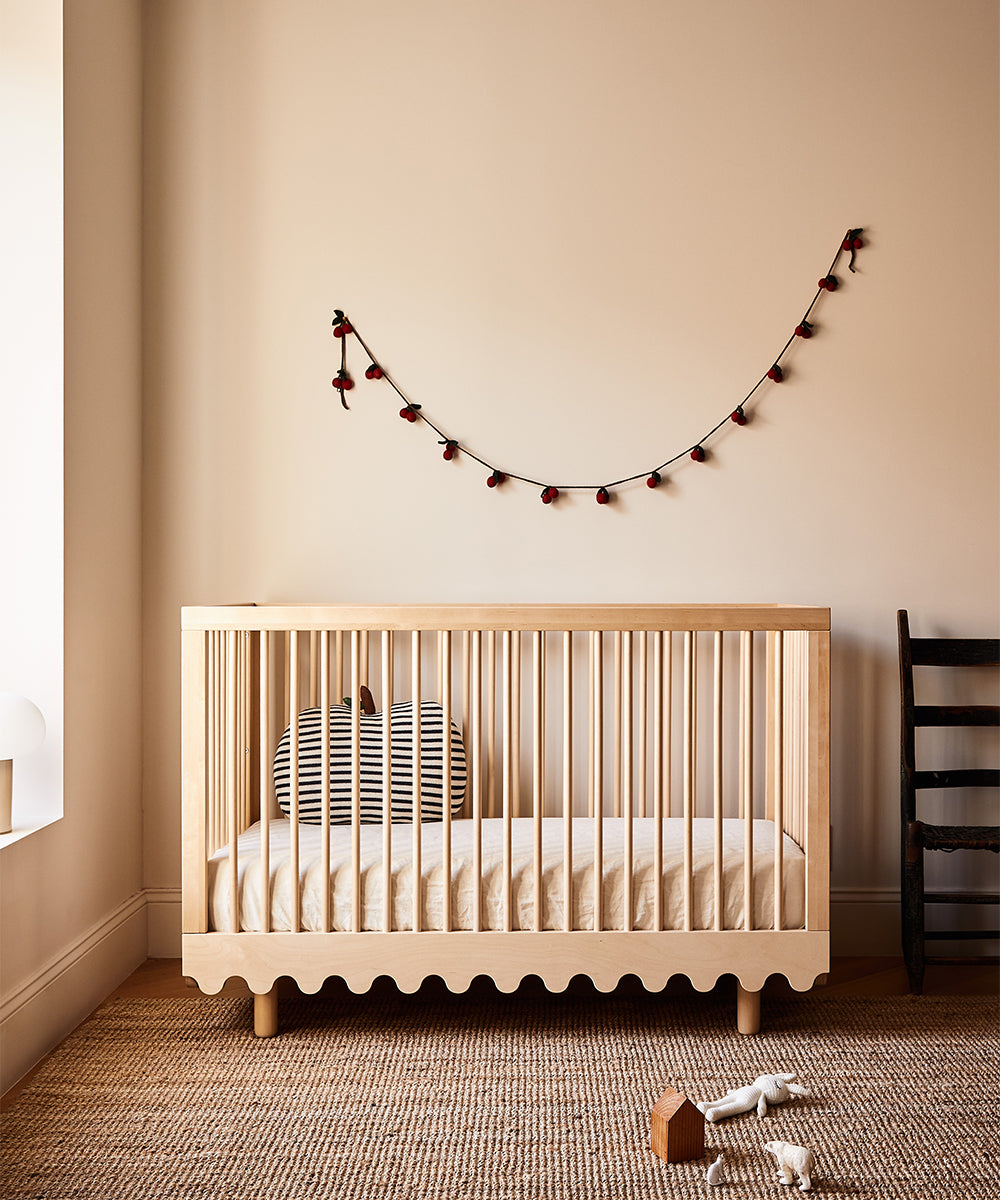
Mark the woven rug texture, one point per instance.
(502, 1097)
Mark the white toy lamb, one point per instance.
(791, 1159)
(765, 1090)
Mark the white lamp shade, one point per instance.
(22, 726)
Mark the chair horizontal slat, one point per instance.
(964, 777)
(955, 652)
(960, 837)
(968, 960)
(961, 935)
(961, 898)
(956, 714)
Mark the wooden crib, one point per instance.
(628, 789)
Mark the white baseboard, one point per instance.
(864, 922)
(163, 920)
(38, 1014)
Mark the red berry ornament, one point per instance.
(739, 416)
(829, 283)
(654, 480)
(373, 371)
(495, 479)
(698, 454)
(603, 495)
(776, 374)
(549, 494)
(343, 382)
(450, 449)
(409, 413)
(805, 330)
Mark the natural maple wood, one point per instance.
(218, 747)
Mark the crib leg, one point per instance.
(747, 1010)
(265, 1013)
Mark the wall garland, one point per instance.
(343, 382)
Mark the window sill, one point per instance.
(20, 832)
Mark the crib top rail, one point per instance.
(407, 617)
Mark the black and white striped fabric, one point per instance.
(401, 745)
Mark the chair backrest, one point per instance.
(940, 652)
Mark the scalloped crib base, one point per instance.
(260, 959)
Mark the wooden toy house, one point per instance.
(677, 1128)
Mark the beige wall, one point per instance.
(72, 913)
(577, 233)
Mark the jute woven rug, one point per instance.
(503, 1096)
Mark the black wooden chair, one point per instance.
(918, 836)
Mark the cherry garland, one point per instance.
(411, 412)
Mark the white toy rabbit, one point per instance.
(765, 1090)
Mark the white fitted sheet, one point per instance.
(310, 882)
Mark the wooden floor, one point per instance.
(161, 978)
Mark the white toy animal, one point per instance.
(765, 1090)
(714, 1176)
(793, 1159)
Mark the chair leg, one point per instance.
(265, 1013)
(747, 1010)
(913, 908)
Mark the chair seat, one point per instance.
(956, 837)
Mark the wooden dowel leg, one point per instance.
(747, 1010)
(265, 1013)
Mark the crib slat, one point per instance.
(597, 745)
(231, 777)
(356, 780)
(690, 762)
(778, 700)
(508, 708)
(466, 709)
(445, 656)
(292, 693)
(746, 771)
(717, 779)
(387, 648)
(337, 687)
(417, 801)
(313, 667)
(491, 723)
(616, 768)
(567, 779)
(538, 763)
(476, 747)
(658, 729)
(264, 740)
(515, 750)
(643, 719)
(324, 787)
(212, 781)
(627, 764)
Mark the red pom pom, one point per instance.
(347, 383)
(698, 454)
(404, 413)
(856, 244)
(847, 243)
(603, 496)
(654, 480)
(347, 327)
(495, 479)
(449, 454)
(411, 416)
(776, 374)
(739, 416)
(338, 331)
(337, 383)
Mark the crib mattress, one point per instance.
(310, 882)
